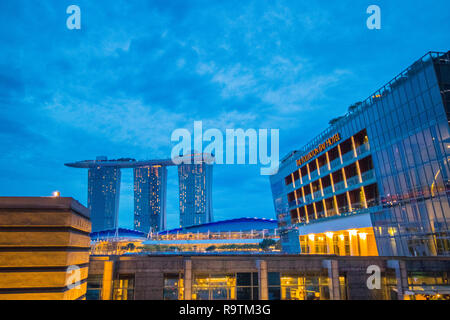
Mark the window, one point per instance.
(123, 288)
(94, 287)
(214, 287)
(247, 286)
(304, 286)
(273, 281)
(173, 287)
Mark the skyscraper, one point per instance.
(195, 183)
(150, 185)
(103, 196)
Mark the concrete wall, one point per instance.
(149, 271)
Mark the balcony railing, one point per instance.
(368, 175)
(308, 198)
(328, 190)
(331, 212)
(317, 194)
(357, 206)
(348, 156)
(362, 149)
(339, 186)
(335, 163)
(352, 181)
(323, 169)
(320, 214)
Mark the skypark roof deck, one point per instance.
(127, 163)
(86, 164)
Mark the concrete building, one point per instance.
(44, 248)
(266, 277)
(376, 182)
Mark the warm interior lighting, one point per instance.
(311, 237)
(353, 232)
(363, 236)
(329, 235)
(341, 236)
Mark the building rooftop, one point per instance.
(44, 203)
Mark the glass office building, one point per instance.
(376, 182)
(195, 185)
(103, 197)
(150, 188)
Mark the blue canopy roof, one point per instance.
(121, 233)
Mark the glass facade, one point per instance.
(173, 287)
(150, 187)
(103, 197)
(195, 183)
(387, 158)
(123, 288)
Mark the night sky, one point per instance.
(137, 70)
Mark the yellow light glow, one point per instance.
(311, 237)
(329, 235)
(56, 194)
(353, 232)
(341, 236)
(363, 236)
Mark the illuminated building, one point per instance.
(195, 184)
(150, 185)
(44, 248)
(103, 196)
(376, 182)
(265, 277)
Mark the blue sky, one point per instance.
(137, 70)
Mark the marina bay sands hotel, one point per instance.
(150, 188)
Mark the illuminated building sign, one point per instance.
(320, 148)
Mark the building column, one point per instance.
(354, 147)
(333, 278)
(330, 244)
(108, 273)
(262, 277)
(188, 279)
(401, 275)
(353, 239)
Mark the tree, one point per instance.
(130, 247)
(334, 121)
(211, 248)
(354, 107)
(267, 243)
